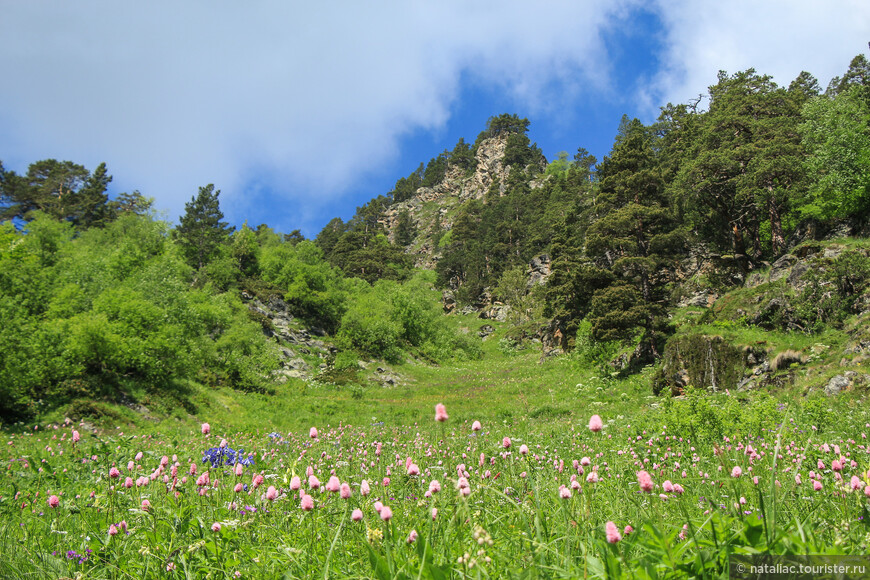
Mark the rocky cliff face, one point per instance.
(747, 339)
(432, 209)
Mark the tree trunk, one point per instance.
(777, 238)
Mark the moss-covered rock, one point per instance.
(703, 361)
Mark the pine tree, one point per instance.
(745, 157)
(405, 228)
(130, 203)
(49, 186)
(200, 231)
(638, 239)
(89, 206)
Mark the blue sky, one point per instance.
(300, 112)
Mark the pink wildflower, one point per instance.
(564, 492)
(476, 426)
(506, 442)
(257, 480)
(627, 530)
(307, 503)
(668, 486)
(440, 413)
(345, 492)
(736, 471)
(239, 469)
(613, 535)
(645, 481)
(434, 486)
(312, 432)
(239, 488)
(364, 488)
(215, 527)
(76, 437)
(595, 424)
(817, 485)
(386, 513)
(357, 515)
(435, 510)
(313, 482)
(271, 493)
(54, 501)
(413, 469)
(113, 531)
(378, 506)
(114, 473)
(206, 428)
(524, 449)
(412, 537)
(333, 485)
(146, 505)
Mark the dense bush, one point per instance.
(389, 317)
(110, 311)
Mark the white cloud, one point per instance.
(776, 37)
(173, 95)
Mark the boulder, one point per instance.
(782, 267)
(485, 330)
(702, 299)
(837, 384)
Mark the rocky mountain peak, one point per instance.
(430, 209)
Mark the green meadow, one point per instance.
(667, 488)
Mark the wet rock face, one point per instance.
(702, 361)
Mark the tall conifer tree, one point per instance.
(201, 231)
